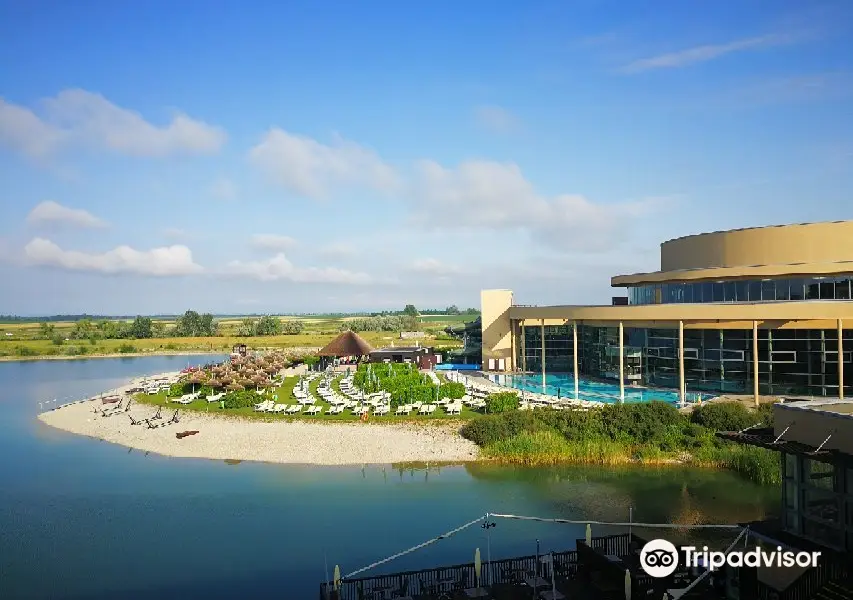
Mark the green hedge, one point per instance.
(502, 402)
(653, 430)
(404, 382)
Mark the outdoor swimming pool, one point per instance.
(563, 384)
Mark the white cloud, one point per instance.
(491, 195)
(50, 212)
(77, 117)
(496, 119)
(704, 53)
(338, 250)
(279, 268)
(224, 189)
(161, 262)
(431, 266)
(307, 167)
(269, 241)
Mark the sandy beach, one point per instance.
(224, 437)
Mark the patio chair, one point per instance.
(134, 421)
(175, 418)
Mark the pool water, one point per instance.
(563, 384)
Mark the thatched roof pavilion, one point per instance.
(346, 344)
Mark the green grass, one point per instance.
(285, 396)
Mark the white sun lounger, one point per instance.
(279, 408)
(294, 408)
(314, 410)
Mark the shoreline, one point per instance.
(227, 437)
(113, 355)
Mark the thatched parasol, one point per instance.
(347, 343)
(234, 387)
(214, 382)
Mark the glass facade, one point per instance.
(744, 290)
(817, 501)
(790, 361)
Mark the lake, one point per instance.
(81, 518)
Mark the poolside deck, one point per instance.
(592, 572)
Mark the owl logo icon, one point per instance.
(659, 558)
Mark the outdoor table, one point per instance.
(479, 592)
(536, 582)
(551, 595)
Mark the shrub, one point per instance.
(293, 327)
(724, 416)
(58, 339)
(127, 349)
(242, 399)
(73, 351)
(488, 429)
(25, 351)
(765, 414)
(501, 402)
(452, 390)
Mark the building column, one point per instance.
(512, 346)
(840, 359)
(542, 334)
(621, 364)
(755, 362)
(681, 386)
(575, 357)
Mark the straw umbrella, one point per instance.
(337, 578)
(478, 566)
(588, 534)
(627, 584)
(234, 387)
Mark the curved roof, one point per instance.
(804, 249)
(347, 343)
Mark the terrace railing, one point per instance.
(446, 579)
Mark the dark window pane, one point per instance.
(791, 495)
(827, 289)
(707, 292)
(812, 289)
(795, 289)
(729, 291)
(698, 292)
(688, 292)
(791, 466)
(741, 291)
(782, 291)
(768, 290)
(829, 535)
(718, 292)
(842, 288)
(754, 291)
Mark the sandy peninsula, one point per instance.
(299, 442)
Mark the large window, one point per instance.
(764, 290)
(817, 501)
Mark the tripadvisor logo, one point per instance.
(659, 558)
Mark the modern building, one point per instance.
(815, 443)
(761, 311)
(421, 356)
(471, 334)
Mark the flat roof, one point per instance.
(401, 349)
(693, 235)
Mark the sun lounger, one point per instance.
(294, 408)
(314, 410)
(279, 408)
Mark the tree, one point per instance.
(472, 311)
(293, 327)
(192, 324)
(411, 323)
(158, 329)
(141, 328)
(451, 310)
(268, 325)
(46, 330)
(82, 329)
(410, 310)
(247, 328)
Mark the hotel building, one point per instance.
(760, 311)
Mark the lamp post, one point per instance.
(488, 526)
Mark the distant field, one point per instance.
(455, 319)
(317, 333)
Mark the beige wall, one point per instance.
(809, 426)
(495, 307)
(806, 249)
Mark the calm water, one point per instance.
(597, 391)
(82, 518)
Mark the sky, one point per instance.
(283, 157)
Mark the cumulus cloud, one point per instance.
(279, 268)
(492, 195)
(496, 119)
(77, 117)
(269, 241)
(50, 212)
(159, 262)
(309, 168)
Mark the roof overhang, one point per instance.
(744, 272)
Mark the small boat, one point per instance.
(184, 434)
(110, 400)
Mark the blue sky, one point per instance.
(312, 156)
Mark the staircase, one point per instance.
(835, 590)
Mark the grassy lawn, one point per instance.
(285, 396)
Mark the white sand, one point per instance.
(223, 437)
